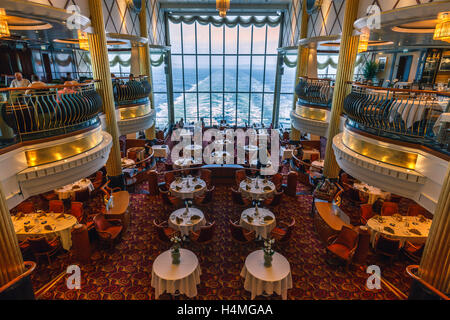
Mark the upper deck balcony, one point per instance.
(132, 99)
(314, 104)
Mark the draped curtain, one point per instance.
(228, 21)
(127, 62)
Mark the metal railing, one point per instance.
(314, 91)
(131, 90)
(40, 112)
(401, 114)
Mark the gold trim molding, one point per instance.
(135, 111)
(311, 113)
(65, 150)
(383, 154)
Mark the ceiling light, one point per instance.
(363, 41)
(83, 40)
(222, 6)
(442, 31)
(4, 29)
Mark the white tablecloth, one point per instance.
(184, 163)
(187, 225)
(262, 228)
(187, 188)
(251, 148)
(190, 149)
(256, 193)
(401, 229)
(259, 279)
(127, 162)
(307, 154)
(69, 191)
(286, 153)
(373, 192)
(61, 227)
(443, 118)
(169, 277)
(160, 151)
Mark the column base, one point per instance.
(117, 182)
(20, 288)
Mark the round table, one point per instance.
(186, 225)
(401, 229)
(259, 279)
(186, 187)
(127, 162)
(307, 154)
(60, 226)
(261, 227)
(190, 149)
(169, 277)
(250, 148)
(184, 162)
(70, 190)
(256, 192)
(372, 192)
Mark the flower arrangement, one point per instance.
(268, 252)
(175, 249)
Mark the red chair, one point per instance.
(56, 206)
(26, 207)
(413, 251)
(277, 180)
(108, 230)
(239, 176)
(204, 235)
(41, 247)
(314, 157)
(76, 209)
(366, 213)
(205, 175)
(389, 208)
(132, 155)
(387, 247)
(97, 183)
(282, 233)
(169, 201)
(415, 210)
(275, 203)
(239, 234)
(343, 245)
(239, 202)
(206, 200)
(163, 231)
(169, 177)
(291, 189)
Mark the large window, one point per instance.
(222, 72)
(159, 83)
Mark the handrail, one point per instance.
(399, 114)
(314, 91)
(56, 86)
(409, 270)
(311, 78)
(133, 90)
(47, 111)
(31, 265)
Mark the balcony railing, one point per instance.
(401, 114)
(40, 112)
(315, 92)
(131, 90)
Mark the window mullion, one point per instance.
(250, 79)
(196, 69)
(237, 74)
(264, 74)
(182, 71)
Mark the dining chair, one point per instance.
(239, 234)
(42, 247)
(239, 176)
(275, 203)
(415, 210)
(387, 247)
(163, 231)
(343, 245)
(76, 209)
(277, 180)
(205, 175)
(56, 206)
(283, 231)
(82, 195)
(108, 230)
(169, 177)
(204, 235)
(170, 202)
(206, 200)
(239, 202)
(366, 213)
(389, 208)
(413, 251)
(26, 207)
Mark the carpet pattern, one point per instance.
(125, 271)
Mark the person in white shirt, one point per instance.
(35, 83)
(19, 81)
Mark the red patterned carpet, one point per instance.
(125, 271)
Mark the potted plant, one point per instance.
(370, 70)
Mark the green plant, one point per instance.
(370, 70)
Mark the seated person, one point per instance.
(35, 83)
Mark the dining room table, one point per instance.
(140, 152)
(259, 279)
(187, 187)
(260, 220)
(186, 220)
(191, 148)
(45, 224)
(181, 278)
(414, 229)
(307, 153)
(373, 193)
(182, 163)
(69, 191)
(257, 188)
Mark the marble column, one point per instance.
(101, 72)
(435, 263)
(11, 261)
(345, 69)
(145, 63)
(302, 64)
